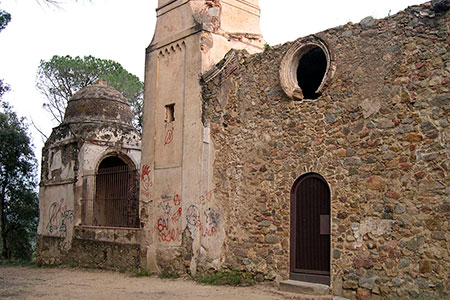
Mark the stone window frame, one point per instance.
(290, 62)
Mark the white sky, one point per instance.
(111, 29)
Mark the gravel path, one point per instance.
(80, 284)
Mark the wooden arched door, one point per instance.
(310, 229)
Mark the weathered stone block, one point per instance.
(367, 283)
(272, 239)
(403, 263)
(415, 243)
(438, 235)
(396, 282)
(425, 266)
(362, 294)
(375, 183)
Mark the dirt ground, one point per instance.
(80, 284)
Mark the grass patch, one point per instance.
(233, 277)
(142, 273)
(168, 275)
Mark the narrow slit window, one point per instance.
(170, 113)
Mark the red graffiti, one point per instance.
(206, 197)
(146, 180)
(162, 225)
(170, 235)
(209, 231)
(176, 216)
(176, 200)
(207, 228)
(169, 136)
(166, 234)
(168, 224)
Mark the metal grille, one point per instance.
(116, 202)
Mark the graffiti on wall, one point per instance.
(168, 223)
(168, 137)
(207, 228)
(211, 222)
(146, 180)
(193, 219)
(206, 197)
(59, 220)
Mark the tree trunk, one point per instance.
(3, 219)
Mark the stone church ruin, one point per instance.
(322, 160)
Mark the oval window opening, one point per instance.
(311, 70)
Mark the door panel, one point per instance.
(310, 229)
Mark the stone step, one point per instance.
(306, 289)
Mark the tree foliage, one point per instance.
(62, 76)
(5, 17)
(18, 198)
(3, 88)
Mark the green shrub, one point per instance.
(142, 273)
(168, 275)
(233, 277)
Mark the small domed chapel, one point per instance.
(320, 164)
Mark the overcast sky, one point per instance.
(121, 30)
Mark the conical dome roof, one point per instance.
(98, 102)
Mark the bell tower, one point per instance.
(190, 37)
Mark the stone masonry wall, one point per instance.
(378, 134)
(100, 248)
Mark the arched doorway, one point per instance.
(310, 229)
(116, 202)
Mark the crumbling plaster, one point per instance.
(190, 36)
(70, 161)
